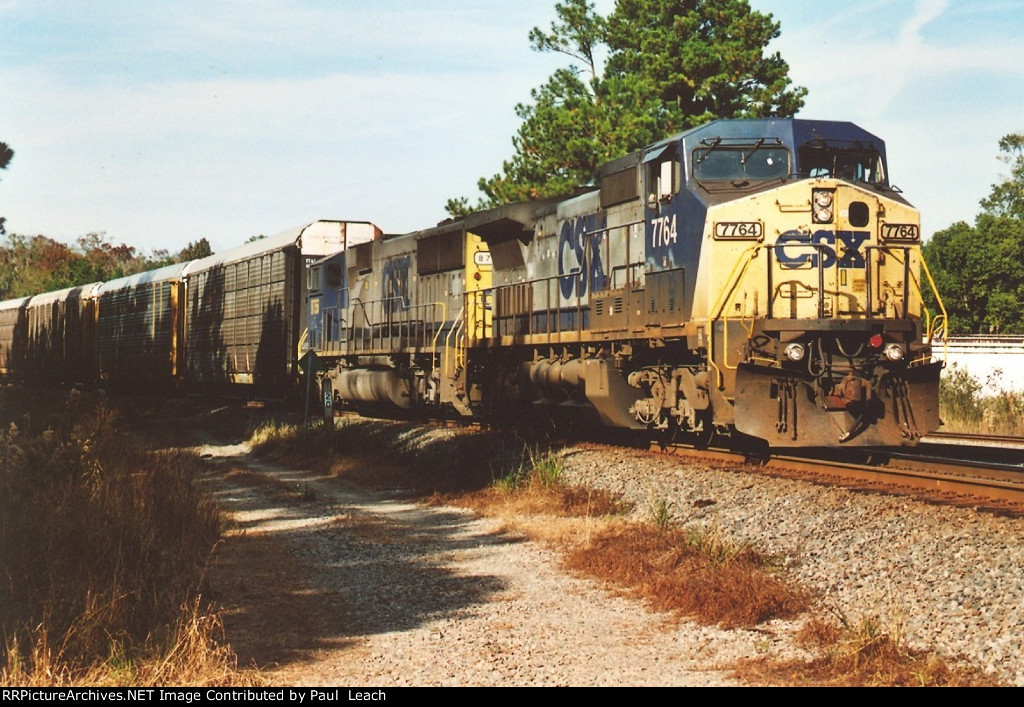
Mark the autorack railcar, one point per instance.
(13, 337)
(57, 323)
(230, 319)
(137, 335)
(243, 308)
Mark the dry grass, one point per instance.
(539, 508)
(863, 652)
(540, 499)
(970, 406)
(193, 654)
(102, 551)
(696, 574)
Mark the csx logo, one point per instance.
(795, 249)
(578, 268)
(395, 282)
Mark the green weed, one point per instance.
(661, 513)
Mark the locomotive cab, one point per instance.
(819, 329)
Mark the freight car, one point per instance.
(241, 309)
(226, 320)
(40, 336)
(13, 336)
(755, 277)
(760, 277)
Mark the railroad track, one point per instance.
(973, 470)
(961, 472)
(957, 439)
(967, 470)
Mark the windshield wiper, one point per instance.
(744, 156)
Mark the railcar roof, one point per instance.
(249, 250)
(319, 243)
(169, 272)
(14, 303)
(58, 295)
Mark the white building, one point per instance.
(997, 362)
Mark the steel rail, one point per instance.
(889, 470)
(974, 440)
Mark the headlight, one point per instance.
(794, 352)
(894, 352)
(821, 201)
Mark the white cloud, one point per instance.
(903, 60)
(229, 119)
(160, 164)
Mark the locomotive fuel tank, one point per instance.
(369, 385)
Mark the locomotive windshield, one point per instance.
(741, 163)
(855, 164)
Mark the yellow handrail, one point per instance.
(447, 341)
(933, 327)
(732, 282)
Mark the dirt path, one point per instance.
(327, 584)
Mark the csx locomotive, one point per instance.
(752, 276)
(748, 277)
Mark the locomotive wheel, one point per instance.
(707, 434)
(699, 439)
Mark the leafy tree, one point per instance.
(31, 265)
(705, 58)
(6, 154)
(1007, 198)
(195, 250)
(979, 269)
(671, 65)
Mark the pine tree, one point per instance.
(671, 65)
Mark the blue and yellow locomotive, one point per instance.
(761, 276)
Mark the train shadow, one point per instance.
(309, 565)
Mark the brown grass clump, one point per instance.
(862, 653)
(694, 573)
(193, 654)
(539, 499)
(102, 544)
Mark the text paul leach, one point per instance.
(188, 696)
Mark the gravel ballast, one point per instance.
(951, 577)
(393, 593)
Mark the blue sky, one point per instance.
(162, 122)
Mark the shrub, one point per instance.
(101, 542)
